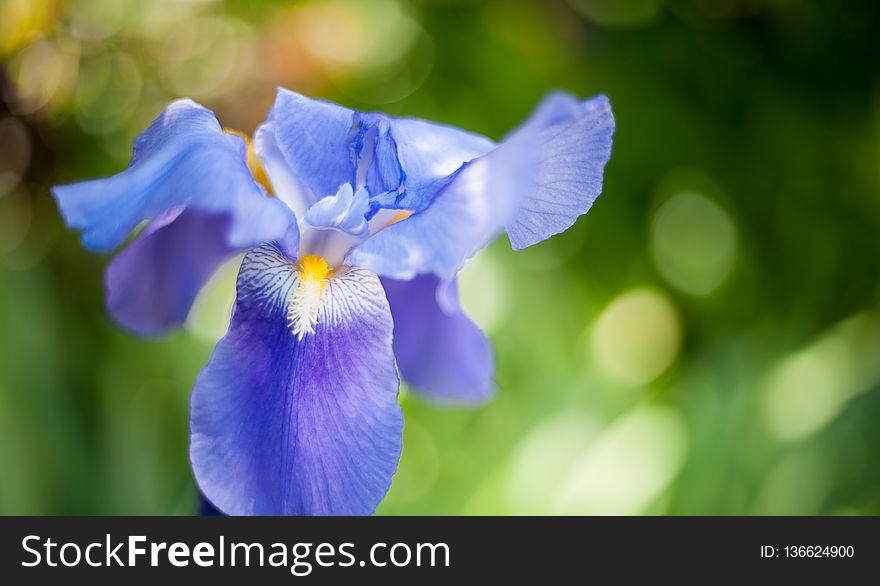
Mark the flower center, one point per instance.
(304, 303)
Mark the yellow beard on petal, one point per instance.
(304, 303)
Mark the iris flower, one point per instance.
(354, 227)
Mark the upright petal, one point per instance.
(184, 160)
(311, 147)
(440, 352)
(287, 187)
(311, 426)
(315, 139)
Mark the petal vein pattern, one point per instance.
(288, 424)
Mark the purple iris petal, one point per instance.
(152, 284)
(283, 425)
(441, 353)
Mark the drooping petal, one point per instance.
(440, 352)
(283, 425)
(152, 284)
(534, 184)
(190, 181)
(184, 159)
(573, 144)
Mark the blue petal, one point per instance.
(315, 139)
(285, 185)
(573, 144)
(305, 427)
(185, 160)
(440, 352)
(152, 284)
(429, 155)
(556, 108)
(311, 147)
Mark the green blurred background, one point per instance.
(705, 341)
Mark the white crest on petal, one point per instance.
(268, 278)
(304, 303)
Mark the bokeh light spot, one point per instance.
(618, 13)
(798, 485)
(209, 317)
(15, 152)
(808, 389)
(543, 459)
(16, 214)
(24, 21)
(205, 56)
(36, 72)
(483, 291)
(365, 34)
(636, 337)
(108, 92)
(628, 465)
(693, 243)
(98, 19)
